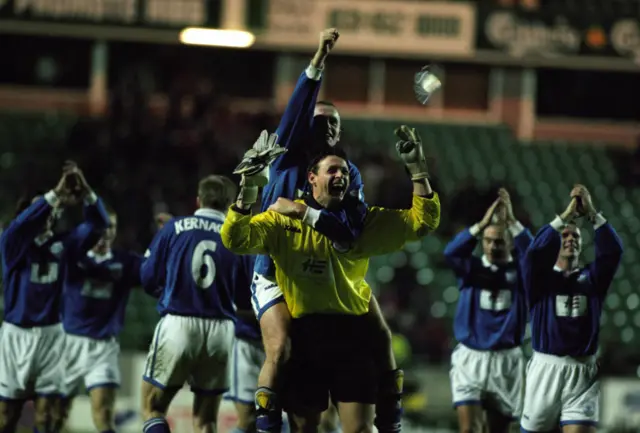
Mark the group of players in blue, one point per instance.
(65, 297)
(519, 279)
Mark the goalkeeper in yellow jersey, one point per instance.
(325, 289)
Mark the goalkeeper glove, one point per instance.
(254, 166)
(410, 150)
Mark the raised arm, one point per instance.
(243, 233)
(459, 251)
(294, 127)
(387, 230)
(24, 228)
(607, 243)
(521, 236)
(84, 236)
(32, 221)
(608, 246)
(96, 220)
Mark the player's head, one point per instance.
(496, 243)
(106, 241)
(328, 175)
(216, 192)
(571, 246)
(326, 124)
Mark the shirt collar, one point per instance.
(210, 213)
(572, 271)
(487, 264)
(99, 258)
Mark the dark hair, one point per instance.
(332, 151)
(216, 192)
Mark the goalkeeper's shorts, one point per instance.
(265, 293)
(331, 356)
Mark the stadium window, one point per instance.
(347, 79)
(466, 86)
(399, 75)
(46, 61)
(588, 94)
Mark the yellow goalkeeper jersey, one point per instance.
(313, 276)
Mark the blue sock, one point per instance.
(156, 425)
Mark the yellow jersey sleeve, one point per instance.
(387, 230)
(247, 234)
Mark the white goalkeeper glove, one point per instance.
(410, 150)
(254, 166)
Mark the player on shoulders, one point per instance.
(307, 128)
(566, 302)
(95, 293)
(324, 288)
(32, 338)
(197, 276)
(490, 320)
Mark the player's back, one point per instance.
(195, 271)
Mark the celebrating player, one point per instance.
(192, 340)
(307, 128)
(324, 289)
(566, 301)
(95, 294)
(32, 339)
(490, 320)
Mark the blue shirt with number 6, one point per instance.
(195, 274)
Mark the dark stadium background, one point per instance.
(535, 111)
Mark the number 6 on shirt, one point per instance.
(203, 258)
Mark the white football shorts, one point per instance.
(492, 379)
(30, 361)
(245, 363)
(192, 350)
(560, 391)
(265, 293)
(89, 362)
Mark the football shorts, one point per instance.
(190, 350)
(560, 391)
(492, 379)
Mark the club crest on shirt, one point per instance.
(582, 278)
(511, 276)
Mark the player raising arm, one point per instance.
(490, 320)
(95, 293)
(566, 301)
(32, 339)
(197, 277)
(325, 290)
(309, 127)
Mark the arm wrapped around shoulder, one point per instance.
(243, 233)
(387, 230)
